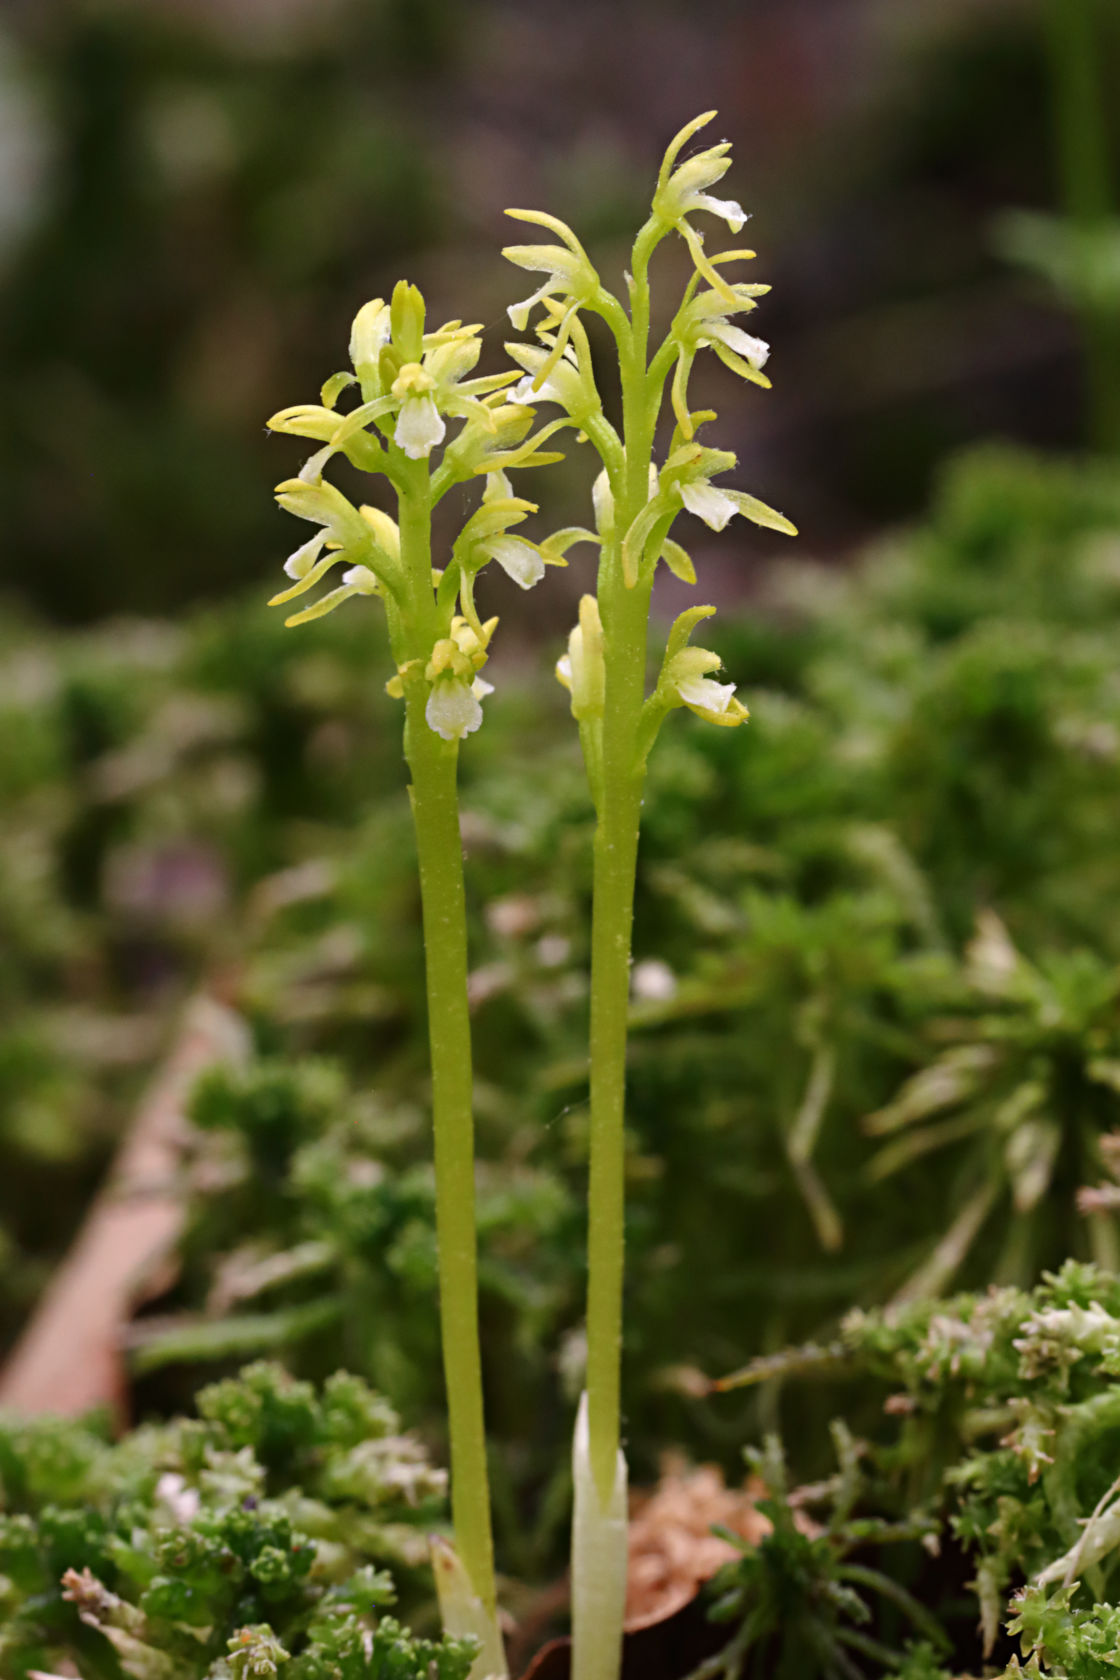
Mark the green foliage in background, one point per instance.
(279, 1526)
(159, 289)
(803, 1594)
(195, 195)
(222, 1546)
(997, 1440)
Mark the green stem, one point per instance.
(625, 615)
(433, 764)
(616, 851)
(1082, 139)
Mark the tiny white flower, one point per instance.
(653, 981)
(756, 351)
(683, 189)
(713, 506)
(553, 950)
(181, 1500)
(517, 558)
(564, 670)
(419, 427)
(301, 560)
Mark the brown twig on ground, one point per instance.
(69, 1358)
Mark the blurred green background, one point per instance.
(195, 196)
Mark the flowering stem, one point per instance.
(599, 1531)
(433, 765)
(625, 616)
(616, 850)
(604, 669)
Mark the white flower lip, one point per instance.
(454, 708)
(707, 503)
(524, 394)
(756, 351)
(360, 579)
(710, 696)
(562, 384)
(519, 312)
(518, 559)
(419, 427)
(732, 213)
(565, 271)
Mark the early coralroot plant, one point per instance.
(410, 382)
(636, 503)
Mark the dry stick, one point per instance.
(70, 1357)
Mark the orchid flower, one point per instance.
(409, 380)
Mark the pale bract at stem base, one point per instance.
(463, 1613)
(599, 1559)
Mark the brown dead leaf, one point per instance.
(672, 1549)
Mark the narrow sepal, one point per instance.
(751, 508)
(678, 561)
